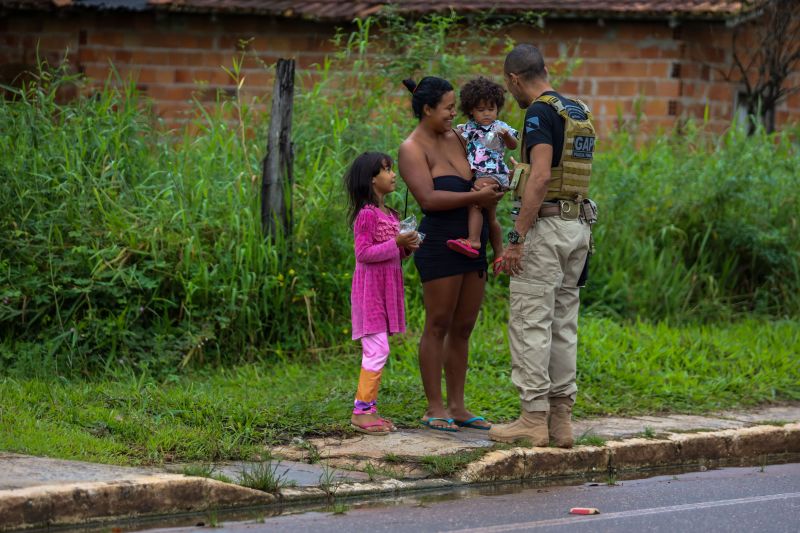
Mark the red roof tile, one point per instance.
(341, 10)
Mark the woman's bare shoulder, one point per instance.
(411, 141)
(411, 147)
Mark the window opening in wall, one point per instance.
(672, 108)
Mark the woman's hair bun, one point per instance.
(410, 84)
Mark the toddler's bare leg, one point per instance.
(475, 223)
(476, 216)
(495, 231)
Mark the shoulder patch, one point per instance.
(531, 124)
(576, 112)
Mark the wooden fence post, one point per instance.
(277, 173)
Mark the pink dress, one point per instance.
(377, 296)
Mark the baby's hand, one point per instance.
(508, 138)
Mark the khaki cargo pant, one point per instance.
(543, 321)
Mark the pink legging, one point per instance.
(375, 352)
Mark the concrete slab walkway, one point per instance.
(40, 492)
(402, 451)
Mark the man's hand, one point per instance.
(512, 259)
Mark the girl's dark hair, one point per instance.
(481, 89)
(428, 91)
(358, 181)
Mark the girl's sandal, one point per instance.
(365, 428)
(388, 423)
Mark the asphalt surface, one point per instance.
(731, 499)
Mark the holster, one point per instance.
(519, 178)
(589, 215)
(584, 277)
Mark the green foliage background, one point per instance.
(122, 246)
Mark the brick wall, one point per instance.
(667, 73)
(629, 69)
(173, 58)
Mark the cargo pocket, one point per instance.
(527, 300)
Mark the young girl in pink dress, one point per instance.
(378, 305)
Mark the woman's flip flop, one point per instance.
(463, 247)
(440, 428)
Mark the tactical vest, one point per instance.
(570, 179)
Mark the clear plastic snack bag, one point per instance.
(410, 224)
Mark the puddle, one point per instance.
(422, 497)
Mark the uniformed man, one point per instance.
(547, 251)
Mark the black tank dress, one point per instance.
(433, 258)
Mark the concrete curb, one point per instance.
(355, 490)
(163, 494)
(678, 449)
(81, 503)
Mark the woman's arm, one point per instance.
(416, 173)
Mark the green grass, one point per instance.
(203, 470)
(337, 508)
(264, 476)
(778, 423)
(590, 439)
(648, 433)
(375, 472)
(236, 413)
(447, 465)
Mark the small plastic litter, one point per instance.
(584, 510)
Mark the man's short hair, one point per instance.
(526, 61)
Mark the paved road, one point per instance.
(732, 499)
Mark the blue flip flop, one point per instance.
(439, 428)
(471, 423)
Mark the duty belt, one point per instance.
(566, 209)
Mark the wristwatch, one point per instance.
(515, 238)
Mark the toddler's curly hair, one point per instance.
(480, 89)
